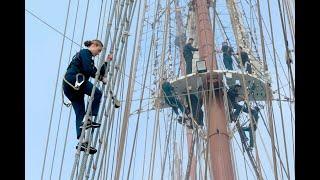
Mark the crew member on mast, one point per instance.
(76, 84)
(233, 95)
(188, 55)
(245, 60)
(227, 53)
(175, 104)
(196, 104)
(255, 117)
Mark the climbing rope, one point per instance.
(122, 53)
(55, 29)
(65, 143)
(122, 57)
(280, 104)
(128, 104)
(77, 155)
(55, 90)
(140, 105)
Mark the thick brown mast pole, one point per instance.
(219, 146)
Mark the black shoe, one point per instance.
(90, 124)
(179, 120)
(84, 146)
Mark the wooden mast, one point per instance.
(219, 146)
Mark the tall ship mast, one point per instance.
(196, 89)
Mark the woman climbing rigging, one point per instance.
(76, 84)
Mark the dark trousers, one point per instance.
(238, 109)
(188, 65)
(77, 99)
(196, 108)
(173, 102)
(248, 68)
(227, 61)
(200, 116)
(250, 134)
(255, 115)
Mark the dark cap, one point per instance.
(191, 39)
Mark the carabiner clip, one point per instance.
(115, 101)
(78, 84)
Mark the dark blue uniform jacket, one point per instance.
(83, 63)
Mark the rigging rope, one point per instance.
(161, 73)
(280, 104)
(246, 99)
(108, 32)
(287, 50)
(155, 57)
(146, 135)
(122, 62)
(103, 89)
(55, 90)
(273, 144)
(291, 24)
(55, 144)
(241, 147)
(85, 22)
(129, 92)
(266, 30)
(265, 149)
(111, 73)
(133, 149)
(63, 100)
(118, 126)
(69, 116)
(77, 155)
(55, 29)
(99, 19)
(244, 160)
(65, 143)
(140, 103)
(166, 147)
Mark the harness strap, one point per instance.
(77, 84)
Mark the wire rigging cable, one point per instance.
(55, 90)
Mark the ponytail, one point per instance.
(87, 43)
(96, 42)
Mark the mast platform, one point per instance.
(195, 81)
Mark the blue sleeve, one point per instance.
(190, 48)
(193, 49)
(87, 64)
